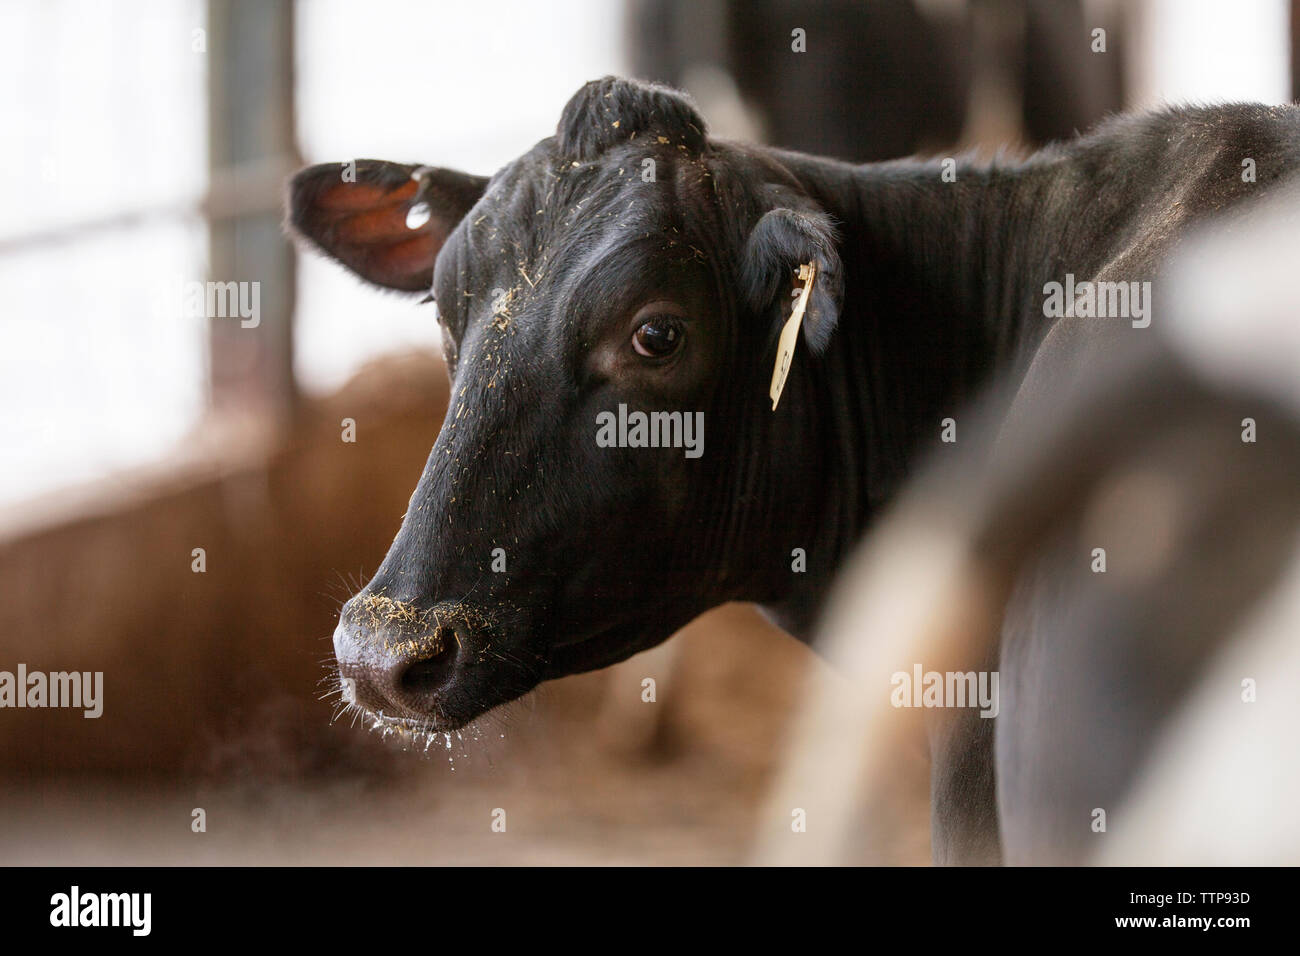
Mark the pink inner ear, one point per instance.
(351, 197)
(387, 224)
(364, 226)
(409, 258)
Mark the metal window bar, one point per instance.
(252, 150)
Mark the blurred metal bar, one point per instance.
(1295, 50)
(251, 125)
(247, 190)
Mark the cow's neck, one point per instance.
(936, 279)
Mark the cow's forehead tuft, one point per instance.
(612, 111)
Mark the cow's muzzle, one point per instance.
(399, 661)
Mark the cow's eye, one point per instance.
(658, 336)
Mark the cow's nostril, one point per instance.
(421, 680)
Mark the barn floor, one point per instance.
(584, 778)
(641, 820)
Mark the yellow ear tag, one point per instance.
(790, 333)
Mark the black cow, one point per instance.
(630, 260)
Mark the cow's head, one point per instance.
(627, 264)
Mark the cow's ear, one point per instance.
(784, 239)
(383, 221)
